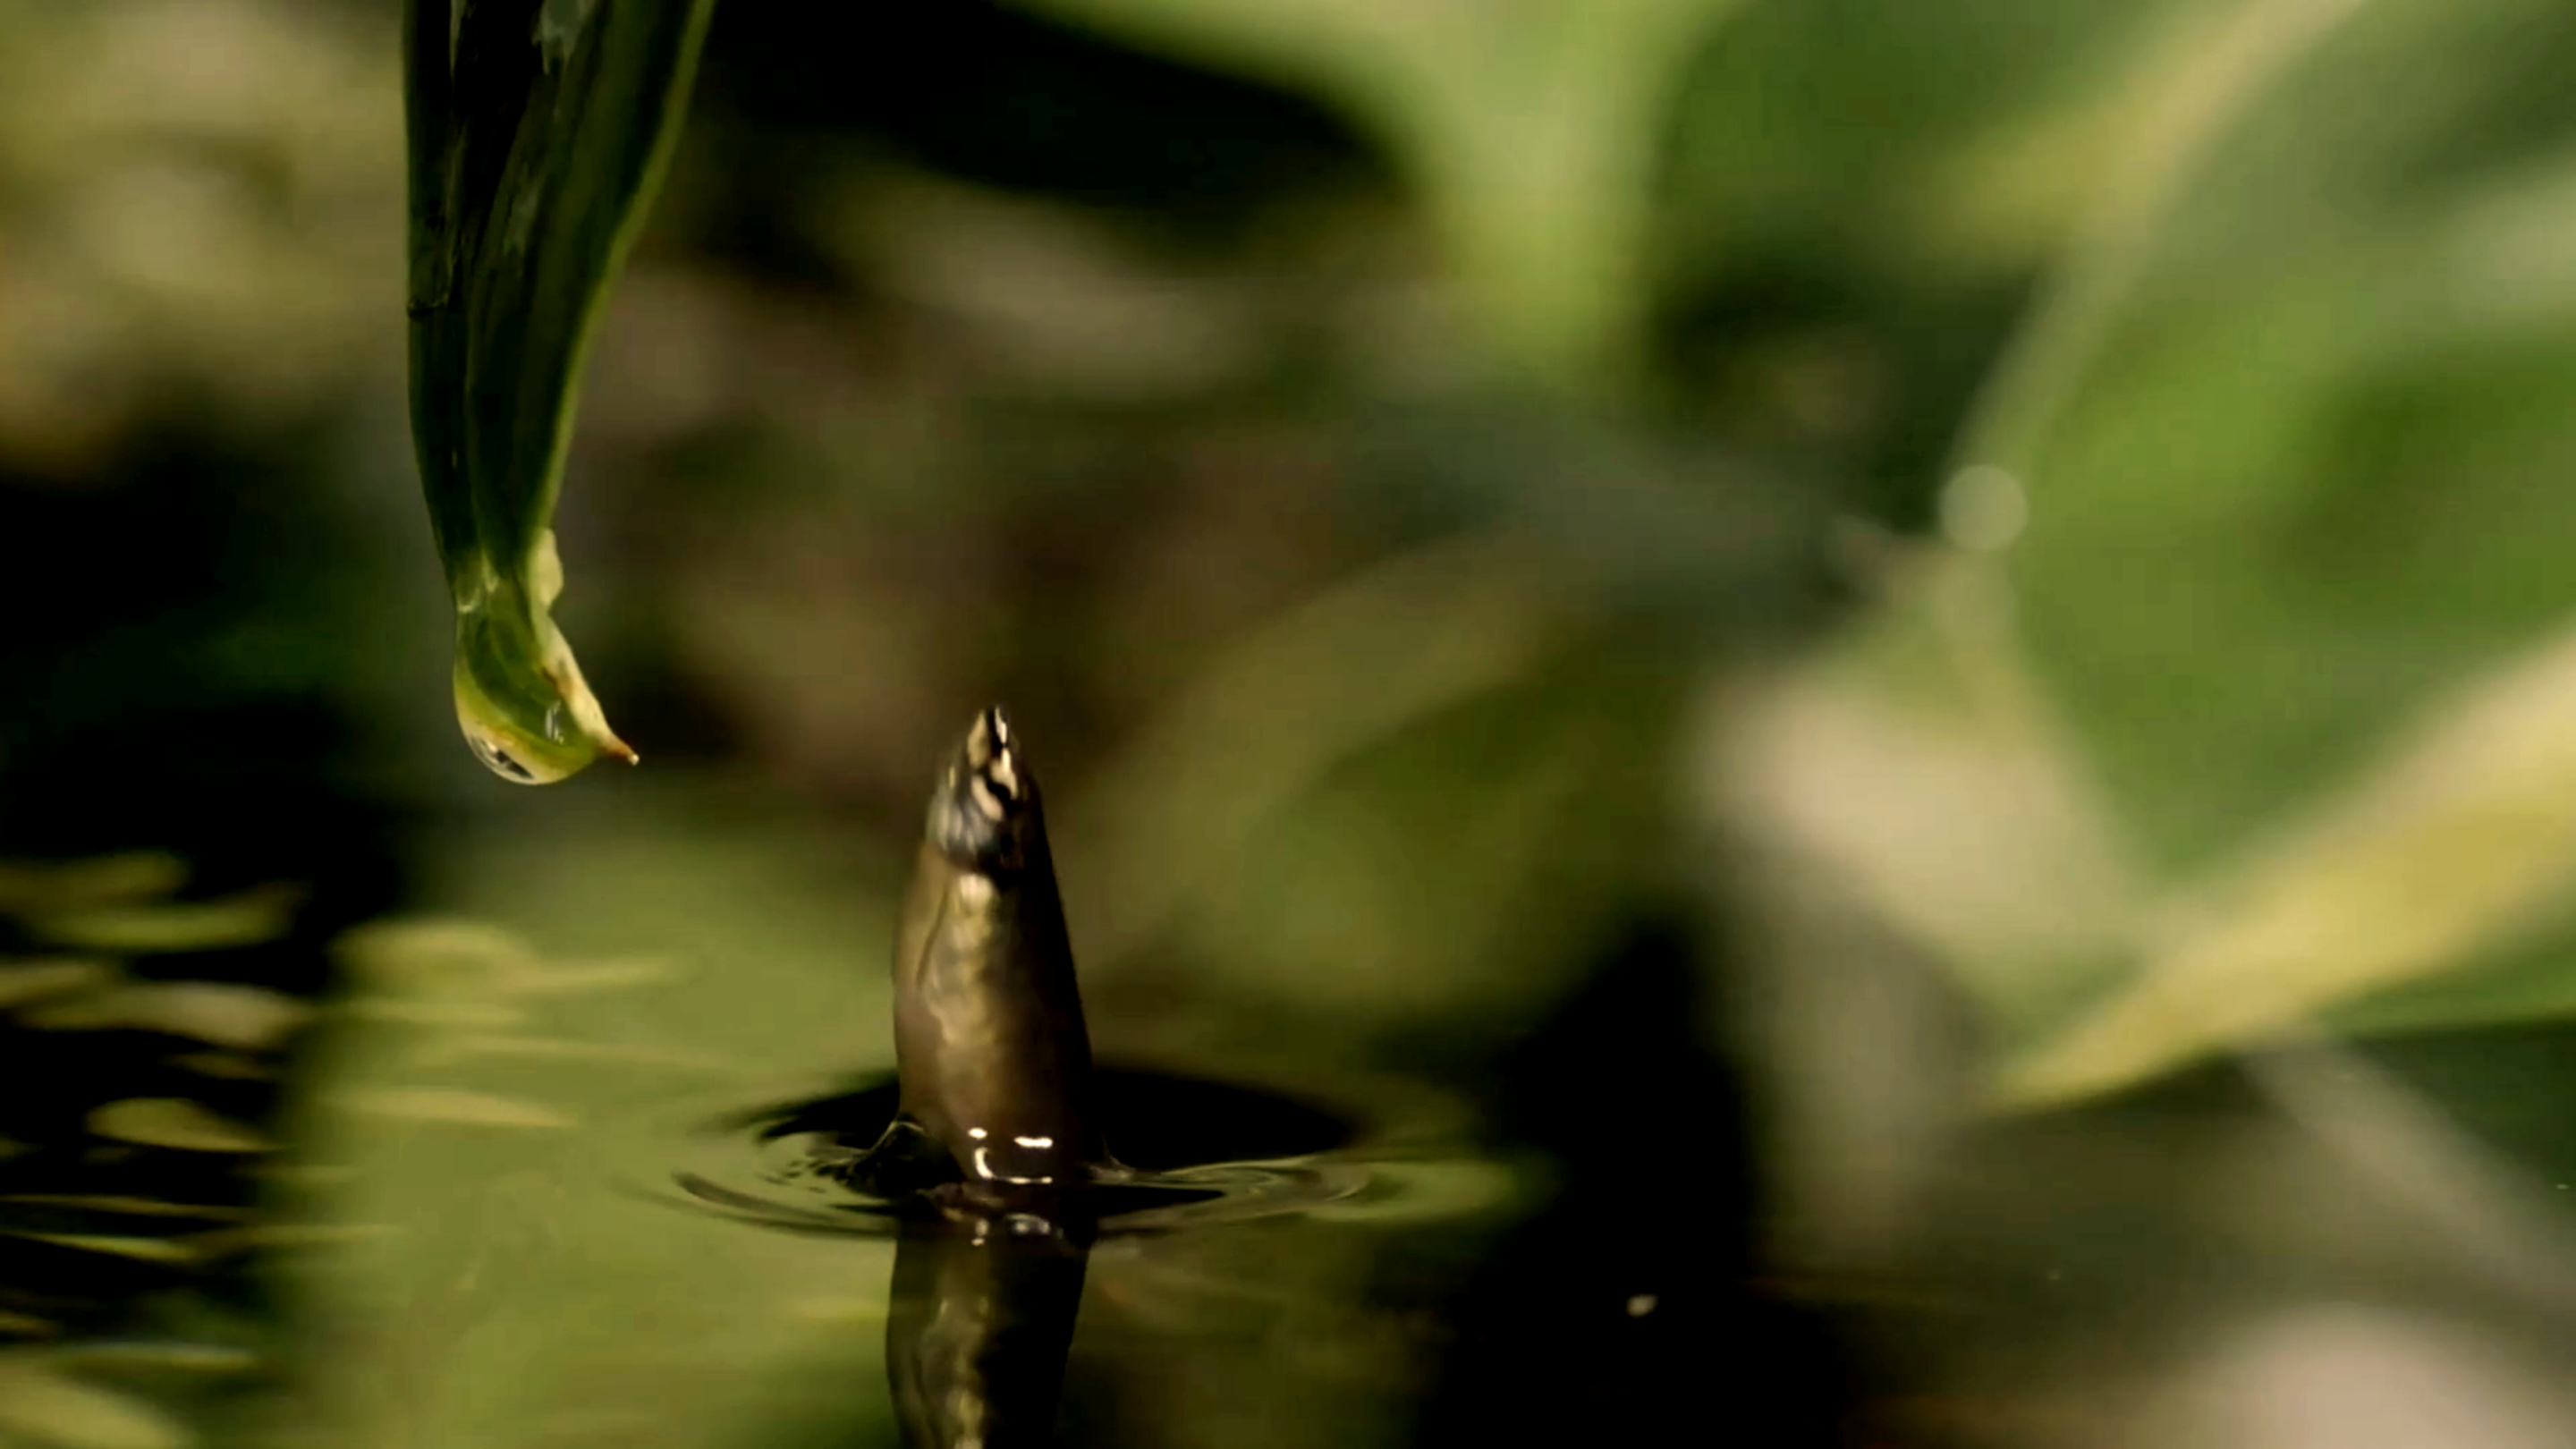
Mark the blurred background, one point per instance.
(1920, 652)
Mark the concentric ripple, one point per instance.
(1191, 1153)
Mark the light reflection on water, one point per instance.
(1191, 1152)
(527, 1284)
(473, 1230)
(449, 1244)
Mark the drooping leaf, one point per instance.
(538, 131)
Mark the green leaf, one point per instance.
(2263, 717)
(538, 130)
(1532, 131)
(2460, 843)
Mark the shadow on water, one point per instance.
(1274, 1243)
(1623, 1307)
(984, 1301)
(173, 728)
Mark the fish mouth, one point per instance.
(994, 779)
(985, 813)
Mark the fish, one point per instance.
(992, 1054)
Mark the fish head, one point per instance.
(985, 816)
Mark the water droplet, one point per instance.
(497, 758)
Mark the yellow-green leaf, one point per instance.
(538, 133)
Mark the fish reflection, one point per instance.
(983, 1313)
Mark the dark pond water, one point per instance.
(518, 1134)
(288, 1167)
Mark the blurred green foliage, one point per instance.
(2065, 494)
(2285, 518)
(2077, 483)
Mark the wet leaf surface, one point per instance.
(538, 133)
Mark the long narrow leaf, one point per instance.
(538, 133)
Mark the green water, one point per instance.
(443, 1203)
